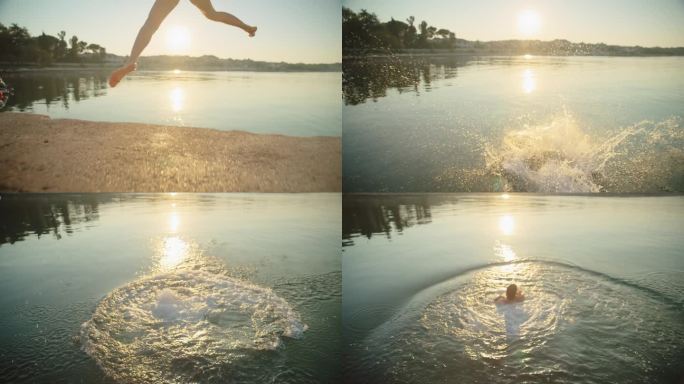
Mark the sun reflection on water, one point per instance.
(504, 252)
(173, 252)
(506, 225)
(177, 97)
(174, 222)
(529, 83)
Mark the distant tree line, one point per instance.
(18, 46)
(213, 63)
(363, 31)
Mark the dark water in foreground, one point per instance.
(603, 279)
(170, 288)
(296, 104)
(527, 124)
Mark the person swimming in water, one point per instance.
(158, 13)
(513, 295)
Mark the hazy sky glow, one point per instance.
(306, 31)
(623, 22)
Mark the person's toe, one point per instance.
(119, 74)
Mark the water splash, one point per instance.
(560, 157)
(189, 323)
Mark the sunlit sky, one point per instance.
(623, 22)
(306, 31)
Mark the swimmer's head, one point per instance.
(511, 291)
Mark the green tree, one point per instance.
(102, 54)
(73, 51)
(395, 32)
(47, 48)
(362, 32)
(61, 51)
(423, 36)
(17, 45)
(359, 30)
(94, 48)
(431, 32)
(82, 46)
(19, 41)
(411, 32)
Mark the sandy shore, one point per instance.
(39, 154)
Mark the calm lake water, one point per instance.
(603, 279)
(298, 104)
(170, 288)
(535, 124)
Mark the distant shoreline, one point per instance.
(183, 63)
(40, 154)
(479, 53)
(57, 68)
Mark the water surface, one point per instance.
(298, 104)
(602, 278)
(170, 288)
(532, 124)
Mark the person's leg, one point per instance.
(158, 13)
(208, 10)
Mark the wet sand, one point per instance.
(39, 154)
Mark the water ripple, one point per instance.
(187, 324)
(575, 326)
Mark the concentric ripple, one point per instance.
(486, 330)
(575, 326)
(190, 323)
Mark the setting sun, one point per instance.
(529, 23)
(178, 39)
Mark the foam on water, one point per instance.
(560, 157)
(188, 323)
(574, 326)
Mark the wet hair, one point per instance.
(511, 291)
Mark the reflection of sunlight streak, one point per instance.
(506, 225)
(505, 196)
(174, 222)
(177, 97)
(529, 83)
(174, 251)
(504, 252)
(176, 71)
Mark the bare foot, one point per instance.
(120, 73)
(251, 31)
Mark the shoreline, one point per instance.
(40, 154)
(447, 53)
(107, 70)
